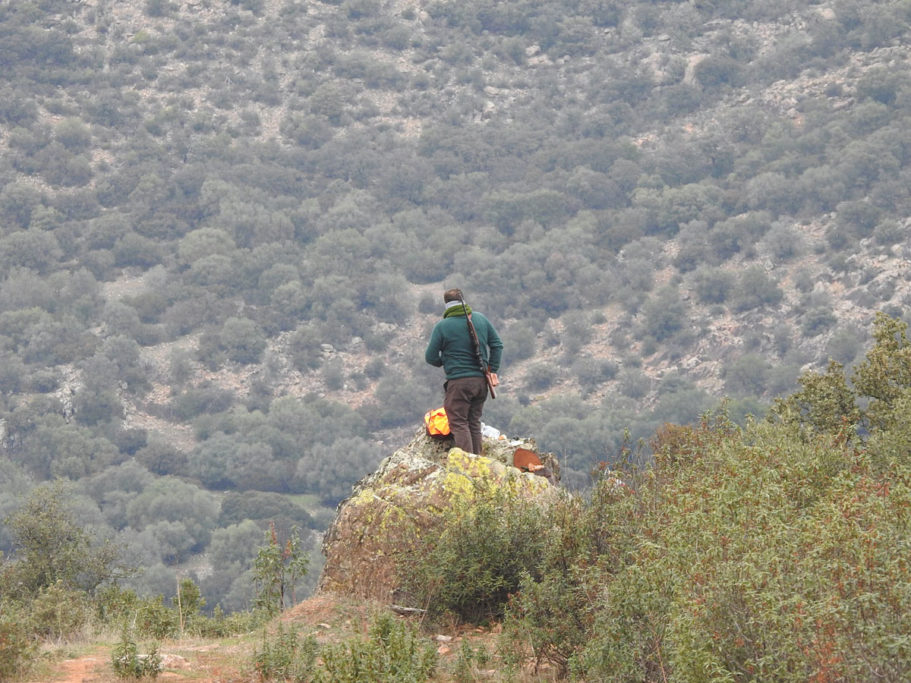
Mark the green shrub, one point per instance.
(541, 376)
(393, 651)
(57, 612)
(154, 619)
(53, 550)
(221, 624)
(188, 602)
(242, 340)
(468, 663)
(479, 558)
(754, 289)
(713, 285)
(758, 555)
(817, 320)
(112, 604)
(129, 664)
(775, 551)
(276, 570)
(552, 614)
(17, 647)
(286, 657)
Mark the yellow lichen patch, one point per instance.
(466, 475)
(363, 497)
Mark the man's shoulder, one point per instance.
(481, 318)
(448, 324)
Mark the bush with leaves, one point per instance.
(52, 550)
(128, 663)
(885, 374)
(17, 645)
(276, 569)
(153, 619)
(58, 612)
(393, 651)
(754, 289)
(773, 551)
(479, 558)
(286, 657)
(753, 558)
(188, 602)
(552, 614)
(664, 314)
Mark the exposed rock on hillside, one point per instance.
(390, 510)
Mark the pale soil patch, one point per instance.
(79, 670)
(198, 661)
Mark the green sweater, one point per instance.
(450, 345)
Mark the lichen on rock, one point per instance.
(382, 523)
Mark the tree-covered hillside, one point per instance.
(225, 226)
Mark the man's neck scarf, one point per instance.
(454, 308)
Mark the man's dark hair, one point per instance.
(452, 295)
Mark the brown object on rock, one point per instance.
(526, 460)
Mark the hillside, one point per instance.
(225, 226)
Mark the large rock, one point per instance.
(391, 510)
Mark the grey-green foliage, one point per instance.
(747, 375)
(591, 371)
(51, 548)
(713, 285)
(233, 550)
(56, 448)
(818, 320)
(242, 340)
(664, 314)
(783, 242)
(177, 516)
(330, 471)
(755, 288)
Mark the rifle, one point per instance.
(477, 349)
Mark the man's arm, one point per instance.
(495, 349)
(434, 347)
(494, 355)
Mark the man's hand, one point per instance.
(494, 380)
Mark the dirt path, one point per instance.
(79, 670)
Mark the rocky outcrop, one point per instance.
(390, 511)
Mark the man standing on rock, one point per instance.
(452, 347)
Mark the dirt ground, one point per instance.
(78, 670)
(330, 619)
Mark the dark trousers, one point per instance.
(464, 402)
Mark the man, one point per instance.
(452, 348)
